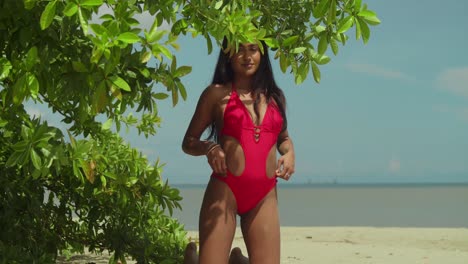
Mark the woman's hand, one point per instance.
(217, 160)
(286, 166)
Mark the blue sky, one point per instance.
(393, 110)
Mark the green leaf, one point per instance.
(100, 99)
(70, 9)
(357, 5)
(173, 65)
(365, 31)
(14, 159)
(218, 4)
(91, 2)
(367, 13)
(302, 72)
(165, 51)
(145, 72)
(179, 26)
(83, 23)
(5, 68)
(284, 63)
(145, 57)
(3, 123)
(160, 96)
(372, 20)
(345, 24)
(31, 58)
(121, 83)
(332, 12)
(98, 29)
(48, 15)
(343, 38)
(289, 41)
(316, 72)
(271, 42)
(29, 4)
(298, 50)
(358, 29)
(36, 159)
(106, 17)
(154, 26)
(96, 54)
(128, 37)
(320, 29)
(175, 45)
(323, 59)
(369, 16)
(107, 125)
(113, 28)
(78, 66)
(33, 85)
(209, 45)
(323, 44)
(182, 91)
(321, 8)
(72, 140)
(182, 71)
(155, 35)
(103, 180)
(116, 92)
(20, 89)
(20, 146)
(175, 95)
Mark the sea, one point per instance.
(354, 205)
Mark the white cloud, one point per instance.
(454, 80)
(394, 165)
(376, 70)
(32, 111)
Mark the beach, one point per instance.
(354, 224)
(361, 245)
(352, 245)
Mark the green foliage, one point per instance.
(97, 192)
(88, 188)
(299, 31)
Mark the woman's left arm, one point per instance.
(286, 163)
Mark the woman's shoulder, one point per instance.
(215, 92)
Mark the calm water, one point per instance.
(355, 205)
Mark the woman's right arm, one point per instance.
(205, 115)
(201, 119)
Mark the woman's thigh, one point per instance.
(261, 230)
(217, 223)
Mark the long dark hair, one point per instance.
(262, 82)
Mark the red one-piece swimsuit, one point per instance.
(253, 184)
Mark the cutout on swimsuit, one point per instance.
(235, 158)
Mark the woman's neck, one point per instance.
(243, 84)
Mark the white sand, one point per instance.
(355, 245)
(360, 245)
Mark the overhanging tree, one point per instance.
(59, 192)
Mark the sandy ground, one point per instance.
(334, 245)
(356, 245)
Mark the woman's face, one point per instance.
(247, 60)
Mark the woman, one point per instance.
(246, 111)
